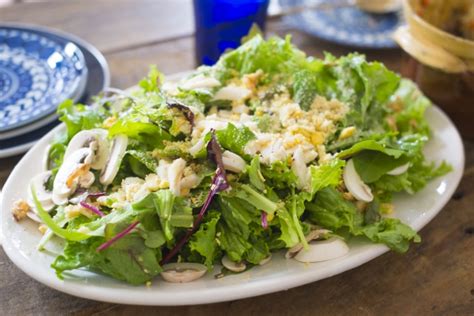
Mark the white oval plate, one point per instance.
(20, 240)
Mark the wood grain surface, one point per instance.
(435, 277)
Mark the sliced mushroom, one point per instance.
(233, 93)
(200, 82)
(34, 217)
(119, 146)
(46, 205)
(182, 272)
(69, 174)
(233, 162)
(399, 170)
(95, 138)
(233, 266)
(312, 235)
(323, 250)
(355, 185)
(266, 260)
(38, 184)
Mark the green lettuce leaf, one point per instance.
(55, 228)
(79, 117)
(331, 211)
(371, 165)
(141, 162)
(139, 127)
(304, 92)
(234, 139)
(295, 206)
(256, 199)
(234, 245)
(391, 232)
(289, 231)
(412, 117)
(325, 175)
(373, 145)
(255, 174)
(153, 81)
(204, 240)
(272, 56)
(279, 175)
(128, 259)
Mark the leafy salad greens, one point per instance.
(234, 162)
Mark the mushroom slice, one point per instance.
(323, 250)
(69, 174)
(46, 205)
(233, 162)
(355, 185)
(233, 93)
(312, 235)
(399, 170)
(95, 138)
(200, 82)
(38, 184)
(265, 260)
(233, 266)
(34, 217)
(119, 146)
(183, 272)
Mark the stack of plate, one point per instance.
(39, 69)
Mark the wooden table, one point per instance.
(434, 277)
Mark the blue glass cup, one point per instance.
(220, 24)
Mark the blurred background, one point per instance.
(429, 41)
(139, 31)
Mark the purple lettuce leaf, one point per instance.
(219, 183)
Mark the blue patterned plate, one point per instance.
(346, 25)
(36, 74)
(98, 77)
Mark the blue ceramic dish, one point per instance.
(346, 25)
(37, 73)
(98, 77)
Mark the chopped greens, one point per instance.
(239, 159)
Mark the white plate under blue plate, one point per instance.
(20, 239)
(345, 25)
(98, 78)
(36, 74)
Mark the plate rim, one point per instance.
(241, 290)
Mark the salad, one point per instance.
(267, 150)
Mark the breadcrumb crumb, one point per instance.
(20, 208)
